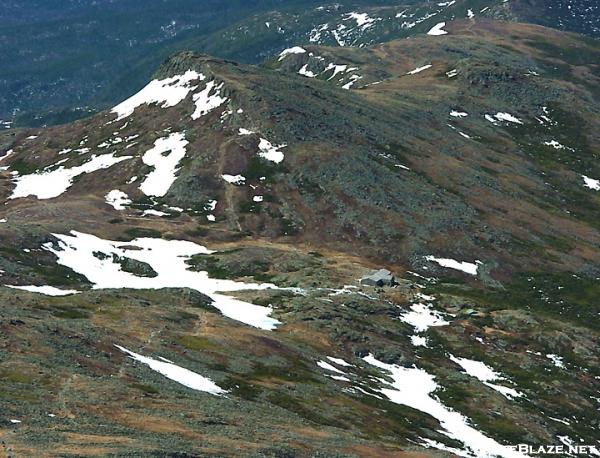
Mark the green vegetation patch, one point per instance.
(561, 296)
(141, 232)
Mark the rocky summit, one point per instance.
(377, 237)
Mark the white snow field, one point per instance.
(167, 92)
(80, 252)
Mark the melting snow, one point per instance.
(168, 259)
(339, 361)
(438, 29)
(419, 69)
(325, 365)
(458, 114)
(176, 373)
(467, 267)
(414, 388)
(556, 145)
(591, 183)
(503, 117)
(304, 71)
(419, 341)
(556, 360)
(243, 131)
(270, 152)
(169, 92)
(336, 70)
(234, 179)
(362, 20)
(159, 181)
(117, 199)
(46, 290)
(153, 212)
(485, 375)
(294, 50)
(50, 184)
(353, 79)
(206, 102)
(422, 317)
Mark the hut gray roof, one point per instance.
(380, 277)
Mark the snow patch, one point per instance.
(294, 50)
(234, 179)
(168, 92)
(422, 317)
(363, 21)
(50, 184)
(438, 29)
(419, 341)
(270, 152)
(159, 181)
(500, 116)
(304, 71)
(208, 99)
(591, 183)
(117, 199)
(466, 267)
(556, 360)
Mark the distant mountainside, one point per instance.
(65, 55)
(64, 65)
(580, 16)
(181, 273)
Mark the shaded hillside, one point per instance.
(487, 163)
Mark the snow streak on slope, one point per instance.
(485, 375)
(419, 69)
(414, 388)
(466, 267)
(168, 92)
(294, 50)
(178, 374)
(46, 290)
(159, 181)
(92, 257)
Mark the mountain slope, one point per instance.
(466, 163)
(64, 67)
(503, 172)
